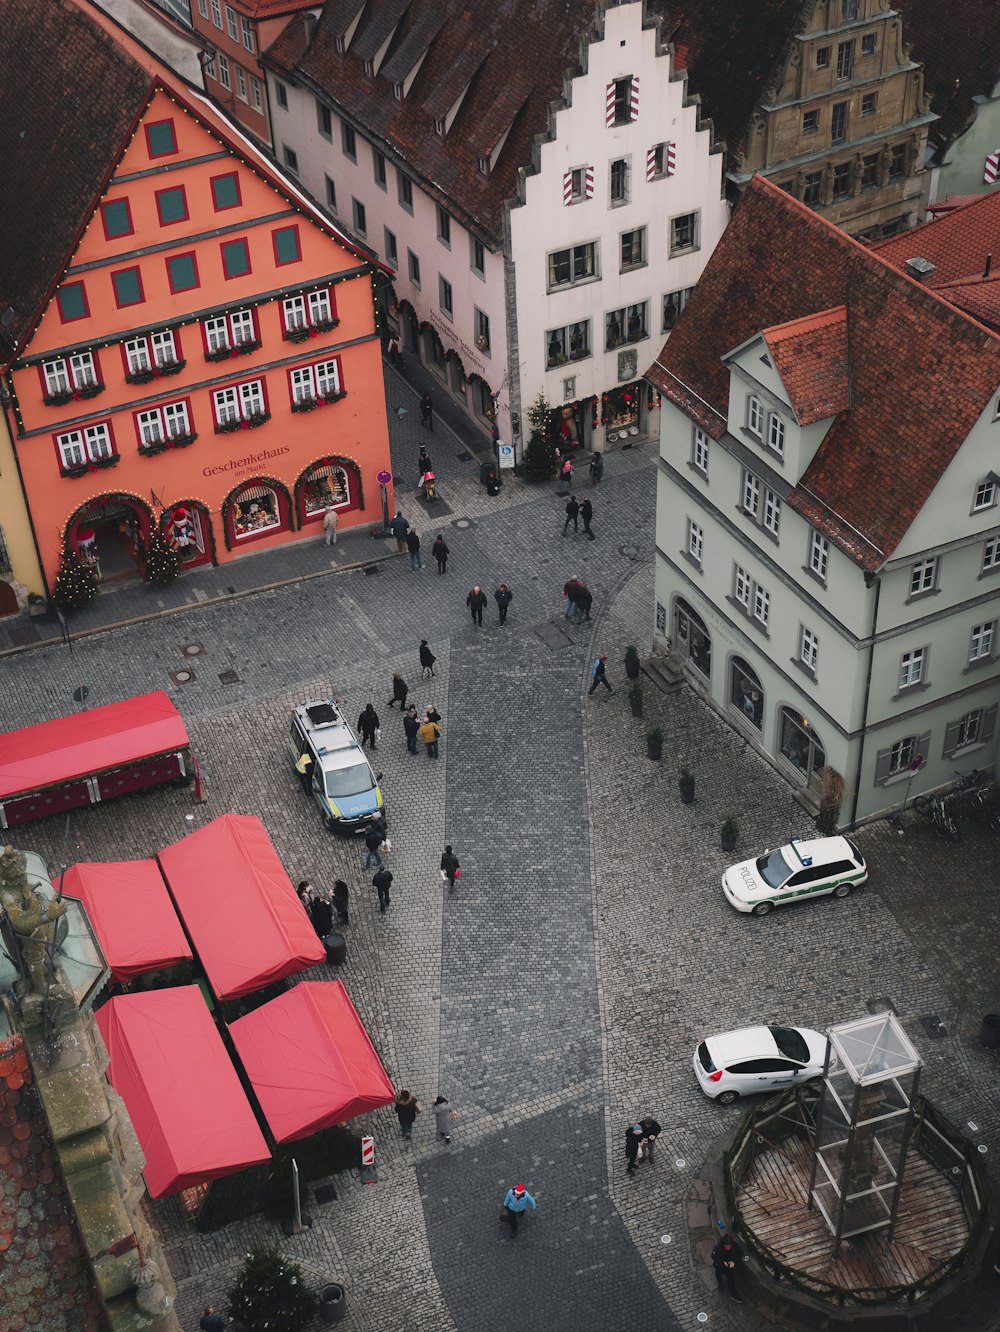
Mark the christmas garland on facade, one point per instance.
(330, 460)
(227, 504)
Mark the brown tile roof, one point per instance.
(921, 371)
(46, 1278)
(810, 355)
(69, 96)
(265, 9)
(959, 244)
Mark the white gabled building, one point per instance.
(828, 525)
(536, 176)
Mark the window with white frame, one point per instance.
(991, 554)
(673, 303)
(210, 69)
(776, 435)
(306, 310)
(69, 373)
(633, 248)
(256, 94)
(751, 494)
(169, 421)
(217, 13)
(90, 444)
(231, 23)
(750, 598)
(247, 33)
(203, 8)
(224, 78)
(912, 666)
(986, 495)
(321, 380)
(238, 402)
(742, 586)
(577, 264)
(684, 233)
(225, 332)
(808, 648)
(627, 324)
(619, 181)
(975, 728)
(755, 416)
(570, 343)
(241, 83)
(695, 541)
(770, 517)
(819, 554)
(981, 641)
(898, 757)
(924, 576)
(699, 451)
(761, 605)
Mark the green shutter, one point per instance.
(235, 258)
(286, 245)
(225, 191)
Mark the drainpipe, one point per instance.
(869, 579)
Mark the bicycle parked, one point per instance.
(972, 788)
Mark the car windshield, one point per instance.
(349, 781)
(790, 1043)
(773, 869)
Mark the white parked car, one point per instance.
(793, 872)
(758, 1060)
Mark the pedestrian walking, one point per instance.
(395, 359)
(427, 412)
(321, 915)
(430, 734)
(210, 1321)
(413, 546)
(373, 841)
(407, 1109)
(423, 464)
(517, 1201)
(596, 469)
(727, 1258)
(444, 1117)
(427, 660)
(503, 596)
(341, 902)
(584, 601)
(570, 589)
(450, 868)
(303, 766)
(600, 676)
(369, 726)
(572, 515)
(411, 725)
(382, 882)
(566, 474)
(399, 527)
(650, 1132)
(633, 1136)
(441, 552)
(587, 514)
(399, 691)
(476, 601)
(330, 519)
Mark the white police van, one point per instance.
(333, 768)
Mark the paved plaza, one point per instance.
(561, 990)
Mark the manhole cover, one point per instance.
(182, 677)
(193, 649)
(370, 569)
(461, 523)
(229, 677)
(81, 695)
(553, 636)
(680, 1163)
(665, 1239)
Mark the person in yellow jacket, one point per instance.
(303, 766)
(430, 733)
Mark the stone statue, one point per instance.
(28, 920)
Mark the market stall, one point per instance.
(132, 915)
(310, 1062)
(182, 1093)
(239, 907)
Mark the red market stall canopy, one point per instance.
(182, 1093)
(132, 914)
(89, 742)
(246, 924)
(310, 1061)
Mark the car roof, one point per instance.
(819, 850)
(325, 726)
(342, 758)
(745, 1043)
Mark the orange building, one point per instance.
(191, 345)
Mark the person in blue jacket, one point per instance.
(600, 676)
(518, 1200)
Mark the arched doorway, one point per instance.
(187, 526)
(746, 694)
(8, 599)
(112, 530)
(799, 746)
(691, 637)
(258, 508)
(328, 483)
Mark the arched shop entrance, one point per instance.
(800, 747)
(328, 483)
(691, 637)
(258, 508)
(188, 528)
(112, 531)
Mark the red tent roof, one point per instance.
(132, 914)
(310, 1061)
(87, 742)
(183, 1095)
(246, 924)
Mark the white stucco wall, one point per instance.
(962, 172)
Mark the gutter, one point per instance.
(869, 579)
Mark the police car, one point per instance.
(793, 872)
(333, 768)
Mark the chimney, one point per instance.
(989, 265)
(921, 269)
(309, 21)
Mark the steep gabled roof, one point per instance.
(69, 96)
(921, 371)
(810, 355)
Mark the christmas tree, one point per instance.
(163, 563)
(539, 456)
(76, 582)
(269, 1294)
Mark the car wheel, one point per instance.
(843, 890)
(727, 1098)
(761, 909)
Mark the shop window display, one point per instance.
(256, 510)
(325, 487)
(622, 409)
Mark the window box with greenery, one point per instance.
(72, 395)
(235, 423)
(175, 442)
(238, 349)
(92, 465)
(310, 404)
(303, 332)
(163, 371)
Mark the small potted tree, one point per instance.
(685, 784)
(635, 699)
(730, 832)
(37, 604)
(632, 662)
(654, 743)
(270, 1295)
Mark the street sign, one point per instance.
(383, 478)
(917, 762)
(505, 453)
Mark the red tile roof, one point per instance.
(810, 355)
(921, 371)
(265, 9)
(46, 1277)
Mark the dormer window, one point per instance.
(369, 69)
(339, 44)
(483, 166)
(755, 417)
(439, 128)
(397, 91)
